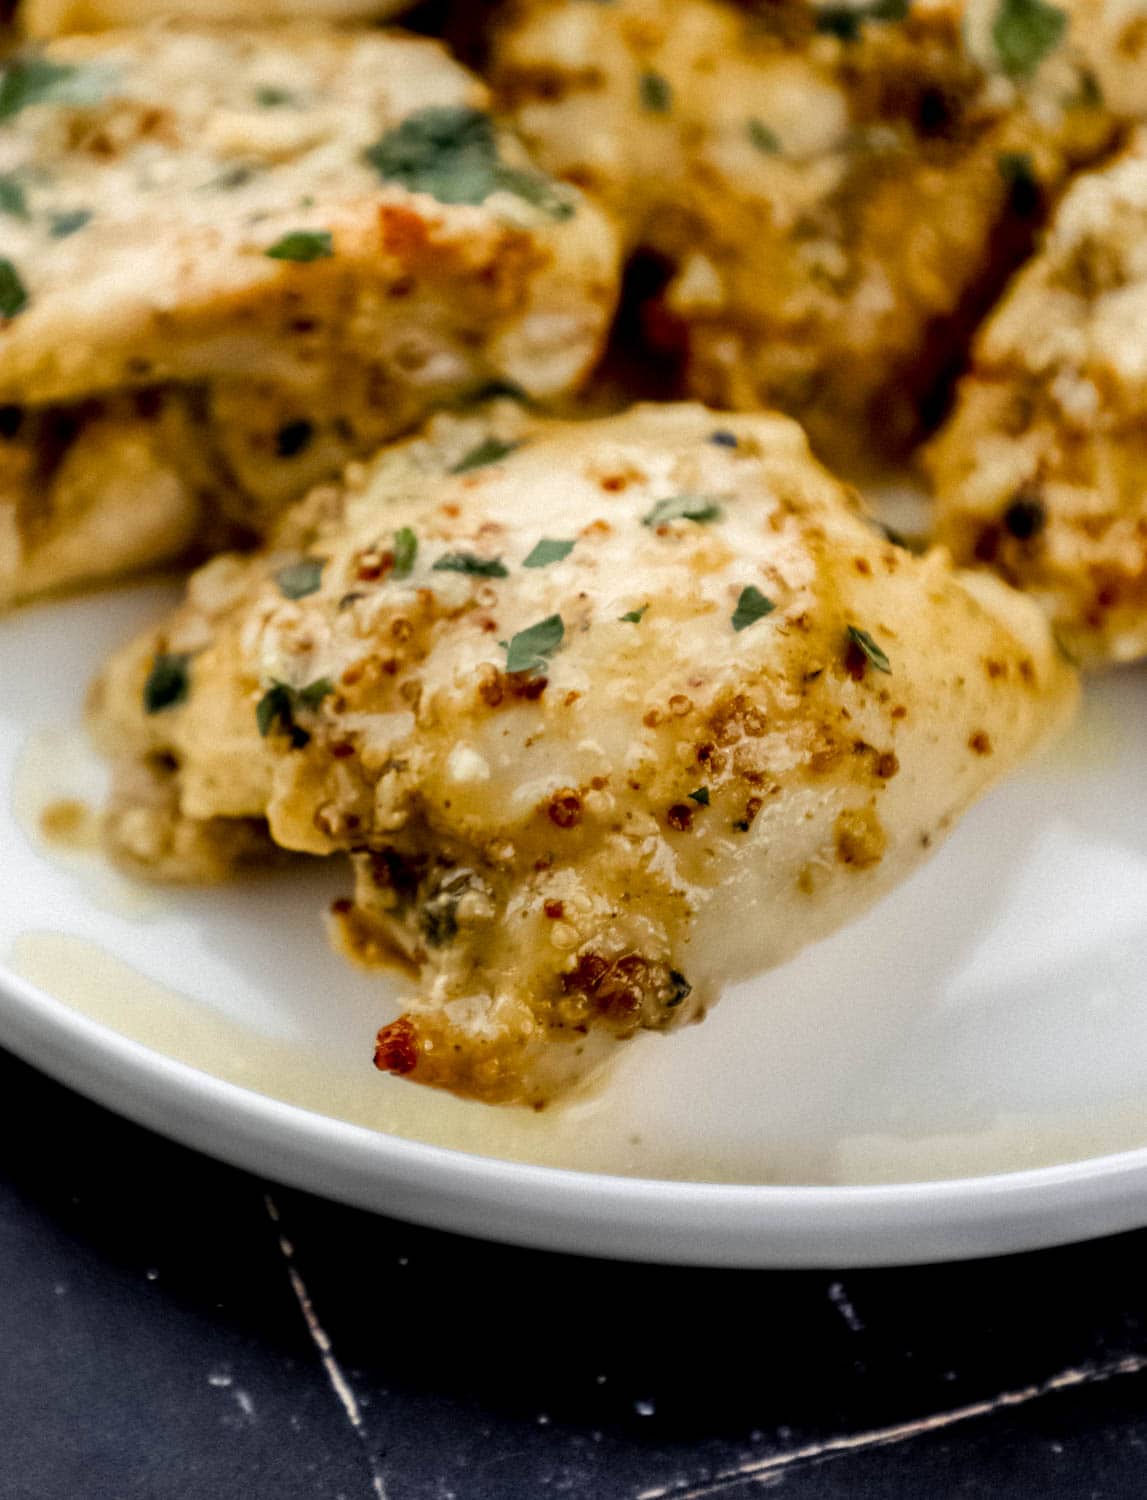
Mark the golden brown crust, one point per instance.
(832, 215)
(1041, 472)
(201, 209)
(718, 715)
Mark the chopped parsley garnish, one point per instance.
(13, 293)
(303, 245)
(314, 692)
(405, 551)
(271, 96)
(701, 795)
(871, 650)
(490, 450)
(278, 705)
(683, 508)
(548, 551)
(764, 138)
(467, 562)
(531, 649)
(723, 438)
(845, 21)
(168, 681)
(1024, 32)
(533, 188)
(34, 80)
(451, 152)
(751, 607)
(12, 199)
(293, 437)
(301, 578)
(633, 616)
(71, 221)
(656, 93)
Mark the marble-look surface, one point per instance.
(171, 1329)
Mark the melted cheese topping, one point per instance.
(701, 765)
(190, 181)
(197, 209)
(1042, 470)
(832, 212)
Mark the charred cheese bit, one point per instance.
(318, 235)
(1041, 472)
(49, 18)
(830, 197)
(608, 715)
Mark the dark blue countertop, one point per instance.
(173, 1329)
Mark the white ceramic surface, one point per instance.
(963, 1072)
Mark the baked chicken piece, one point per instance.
(828, 197)
(608, 714)
(49, 18)
(1041, 472)
(302, 240)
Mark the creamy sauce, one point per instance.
(590, 1134)
(58, 769)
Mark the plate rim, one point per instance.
(655, 1220)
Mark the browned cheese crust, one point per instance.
(608, 715)
(828, 206)
(304, 239)
(1041, 473)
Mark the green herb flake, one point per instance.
(656, 93)
(275, 707)
(271, 96)
(490, 450)
(701, 795)
(405, 551)
(751, 607)
(301, 578)
(314, 692)
(531, 649)
(537, 190)
(168, 682)
(13, 293)
(12, 199)
(278, 705)
(683, 508)
(765, 139)
(1024, 32)
(872, 652)
(633, 616)
(548, 551)
(451, 152)
(34, 80)
(467, 562)
(448, 151)
(71, 221)
(302, 245)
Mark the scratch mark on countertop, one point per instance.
(321, 1340)
(763, 1469)
(843, 1304)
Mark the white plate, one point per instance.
(964, 1072)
